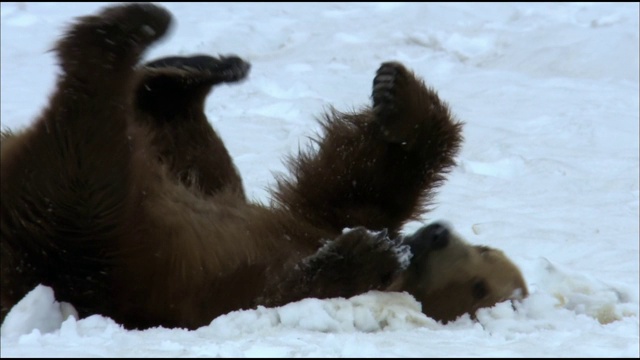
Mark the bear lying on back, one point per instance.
(125, 201)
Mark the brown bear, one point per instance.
(124, 200)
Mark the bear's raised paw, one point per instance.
(221, 69)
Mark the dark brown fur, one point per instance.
(123, 198)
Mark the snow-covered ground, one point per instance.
(548, 172)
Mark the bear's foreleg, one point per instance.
(170, 98)
(377, 168)
(356, 261)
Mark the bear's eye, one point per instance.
(479, 289)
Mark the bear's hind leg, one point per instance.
(170, 98)
(67, 182)
(377, 168)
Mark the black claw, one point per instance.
(383, 234)
(381, 239)
(382, 78)
(383, 93)
(181, 62)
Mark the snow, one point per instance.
(548, 171)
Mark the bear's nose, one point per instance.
(431, 237)
(437, 234)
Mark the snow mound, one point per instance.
(37, 311)
(370, 312)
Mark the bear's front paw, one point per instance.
(363, 257)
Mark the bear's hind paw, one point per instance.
(206, 68)
(115, 37)
(136, 24)
(383, 94)
(389, 102)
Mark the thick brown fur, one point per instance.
(125, 201)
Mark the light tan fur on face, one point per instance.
(461, 278)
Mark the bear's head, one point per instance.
(451, 277)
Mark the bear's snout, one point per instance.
(437, 235)
(434, 236)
